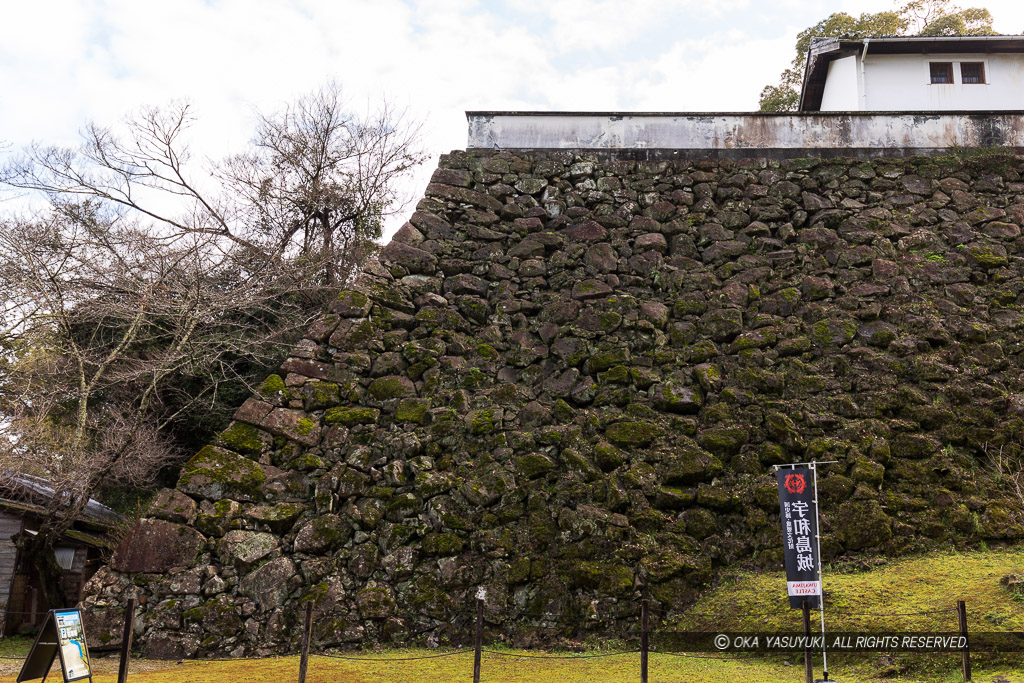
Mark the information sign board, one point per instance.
(74, 654)
(63, 636)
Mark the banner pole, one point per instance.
(821, 585)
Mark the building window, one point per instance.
(972, 72)
(942, 72)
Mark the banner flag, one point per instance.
(800, 535)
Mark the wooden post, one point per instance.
(808, 667)
(307, 634)
(126, 641)
(965, 654)
(644, 630)
(478, 638)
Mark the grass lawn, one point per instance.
(882, 599)
(505, 669)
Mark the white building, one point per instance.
(920, 73)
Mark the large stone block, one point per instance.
(244, 548)
(154, 546)
(214, 473)
(173, 506)
(269, 584)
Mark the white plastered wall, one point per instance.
(842, 91)
(903, 83)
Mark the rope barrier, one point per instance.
(729, 616)
(215, 660)
(896, 614)
(609, 654)
(24, 614)
(400, 659)
(693, 656)
(685, 614)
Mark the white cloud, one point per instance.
(596, 25)
(63, 62)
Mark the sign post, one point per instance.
(61, 635)
(801, 539)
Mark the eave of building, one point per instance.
(823, 53)
(34, 495)
(97, 538)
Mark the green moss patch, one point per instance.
(413, 410)
(351, 416)
(632, 433)
(242, 438)
(214, 469)
(387, 388)
(442, 544)
(272, 387)
(534, 465)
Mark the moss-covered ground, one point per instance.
(917, 593)
(890, 597)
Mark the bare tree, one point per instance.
(320, 181)
(146, 285)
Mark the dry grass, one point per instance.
(506, 669)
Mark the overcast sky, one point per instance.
(65, 62)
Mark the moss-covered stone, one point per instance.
(484, 421)
(387, 388)
(350, 304)
(724, 441)
(599, 362)
(1000, 521)
(172, 506)
(376, 601)
(608, 457)
(618, 374)
(534, 465)
(833, 332)
(273, 388)
(322, 534)
(914, 446)
(486, 351)
(442, 544)
(484, 488)
(428, 484)
(700, 522)
(867, 471)
(402, 506)
(351, 416)
(782, 430)
(862, 524)
(243, 438)
(611, 579)
(278, 517)
(632, 434)
(673, 398)
(662, 566)
(244, 548)
(213, 473)
(988, 255)
(319, 395)
(216, 616)
(217, 519)
(689, 464)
